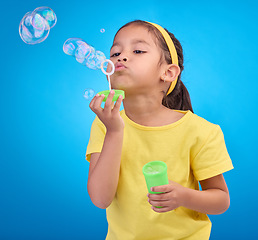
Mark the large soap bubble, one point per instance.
(28, 33)
(35, 26)
(44, 15)
(84, 53)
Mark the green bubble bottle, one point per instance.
(155, 174)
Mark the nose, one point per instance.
(123, 59)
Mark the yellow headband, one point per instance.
(172, 51)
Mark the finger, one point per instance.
(118, 104)
(159, 197)
(96, 107)
(93, 100)
(159, 203)
(162, 210)
(162, 188)
(112, 104)
(108, 103)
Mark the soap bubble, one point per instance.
(94, 60)
(34, 26)
(28, 33)
(88, 62)
(88, 93)
(102, 30)
(38, 22)
(99, 58)
(84, 53)
(78, 48)
(46, 15)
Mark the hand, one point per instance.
(110, 115)
(173, 196)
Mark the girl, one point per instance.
(157, 123)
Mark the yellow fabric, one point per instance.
(193, 149)
(172, 51)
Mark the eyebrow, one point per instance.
(133, 42)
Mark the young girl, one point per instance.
(157, 123)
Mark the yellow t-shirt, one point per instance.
(193, 149)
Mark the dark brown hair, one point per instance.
(179, 98)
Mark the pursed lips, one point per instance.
(119, 66)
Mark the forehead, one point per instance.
(134, 33)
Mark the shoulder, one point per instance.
(199, 121)
(203, 129)
(194, 121)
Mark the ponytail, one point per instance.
(179, 98)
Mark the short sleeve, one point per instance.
(213, 158)
(97, 135)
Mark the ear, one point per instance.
(171, 73)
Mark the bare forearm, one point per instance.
(102, 183)
(210, 201)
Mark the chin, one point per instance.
(118, 85)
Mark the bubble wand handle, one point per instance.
(108, 73)
(109, 84)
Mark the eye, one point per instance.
(115, 55)
(138, 51)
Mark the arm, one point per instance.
(105, 166)
(213, 199)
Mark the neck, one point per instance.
(143, 109)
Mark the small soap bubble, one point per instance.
(34, 26)
(102, 30)
(88, 93)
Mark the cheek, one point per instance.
(146, 70)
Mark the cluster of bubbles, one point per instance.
(87, 56)
(84, 53)
(35, 26)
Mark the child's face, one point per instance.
(134, 47)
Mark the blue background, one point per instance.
(45, 121)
